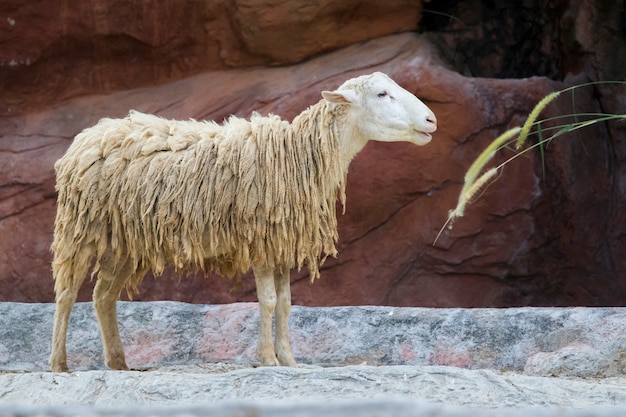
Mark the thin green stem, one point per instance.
(456, 19)
(475, 182)
(485, 156)
(542, 153)
(564, 130)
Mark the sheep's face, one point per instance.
(384, 111)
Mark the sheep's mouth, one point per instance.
(422, 138)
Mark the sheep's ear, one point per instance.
(339, 96)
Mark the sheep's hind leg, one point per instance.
(283, 307)
(65, 299)
(110, 282)
(266, 293)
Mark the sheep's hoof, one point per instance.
(288, 361)
(271, 361)
(59, 367)
(117, 365)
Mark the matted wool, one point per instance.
(199, 195)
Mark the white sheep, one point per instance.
(145, 192)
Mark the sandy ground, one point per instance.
(215, 384)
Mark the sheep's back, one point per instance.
(128, 185)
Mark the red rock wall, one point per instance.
(52, 50)
(541, 235)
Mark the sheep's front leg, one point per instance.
(266, 293)
(283, 307)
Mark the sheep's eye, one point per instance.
(383, 94)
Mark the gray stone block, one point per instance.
(583, 342)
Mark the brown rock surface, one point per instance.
(526, 241)
(50, 50)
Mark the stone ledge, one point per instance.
(573, 342)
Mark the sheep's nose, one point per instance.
(431, 122)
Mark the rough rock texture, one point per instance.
(198, 359)
(527, 241)
(51, 50)
(196, 385)
(539, 341)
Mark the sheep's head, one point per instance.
(384, 111)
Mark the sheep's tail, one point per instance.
(70, 271)
(71, 258)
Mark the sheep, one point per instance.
(145, 192)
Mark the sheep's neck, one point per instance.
(333, 117)
(350, 144)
